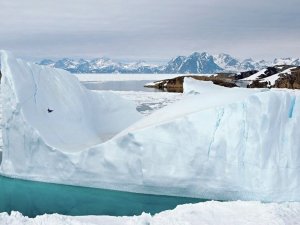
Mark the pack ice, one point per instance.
(216, 143)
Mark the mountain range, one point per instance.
(196, 63)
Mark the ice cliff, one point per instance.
(228, 144)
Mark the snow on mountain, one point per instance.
(256, 75)
(270, 75)
(202, 63)
(226, 62)
(247, 64)
(174, 64)
(197, 63)
(286, 61)
(47, 62)
(208, 213)
(231, 144)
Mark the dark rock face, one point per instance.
(176, 84)
(291, 81)
(258, 84)
(287, 78)
(269, 72)
(245, 74)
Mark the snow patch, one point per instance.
(209, 213)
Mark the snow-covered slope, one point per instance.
(232, 144)
(270, 75)
(208, 213)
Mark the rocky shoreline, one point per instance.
(176, 84)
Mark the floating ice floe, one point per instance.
(222, 144)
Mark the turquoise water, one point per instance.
(35, 198)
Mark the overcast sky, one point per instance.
(151, 30)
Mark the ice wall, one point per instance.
(228, 144)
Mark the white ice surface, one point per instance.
(123, 77)
(229, 144)
(149, 102)
(190, 85)
(208, 213)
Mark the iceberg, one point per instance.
(225, 144)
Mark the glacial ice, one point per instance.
(228, 144)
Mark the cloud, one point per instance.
(157, 29)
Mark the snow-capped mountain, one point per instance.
(195, 63)
(287, 61)
(226, 61)
(101, 65)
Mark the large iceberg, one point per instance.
(227, 144)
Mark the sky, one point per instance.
(151, 30)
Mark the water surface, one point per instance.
(36, 198)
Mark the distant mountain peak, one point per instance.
(196, 63)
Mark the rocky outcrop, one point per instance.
(258, 84)
(270, 71)
(245, 74)
(279, 76)
(176, 84)
(291, 81)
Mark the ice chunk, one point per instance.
(191, 85)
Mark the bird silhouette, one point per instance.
(50, 110)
